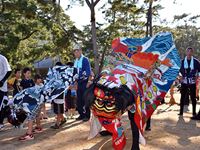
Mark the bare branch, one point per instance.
(88, 3)
(96, 2)
(66, 32)
(63, 28)
(26, 37)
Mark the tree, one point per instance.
(124, 18)
(149, 28)
(152, 11)
(91, 4)
(187, 34)
(34, 29)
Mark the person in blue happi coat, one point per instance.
(84, 71)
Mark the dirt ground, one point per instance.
(169, 132)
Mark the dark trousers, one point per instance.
(187, 99)
(135, 132)
(83, 112)
(2, 109)
(3, 114)
(148, 125)
(186, 91)
(198, 114)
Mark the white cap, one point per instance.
(77, 46)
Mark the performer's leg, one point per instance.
(1, 108)
(29, 133)
(183, 97)
(187, 98)
(38, 122)
(135, 132)
(148, 125)
(193, 98)
(197, 117)
(1, 116)
(79, 103)
(86, 109)
(45, 116)
(105, 133)
(30, 127)
(172, 99)
(87, 113)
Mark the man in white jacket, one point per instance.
(5, 72)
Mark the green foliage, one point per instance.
(33, 29)
(186, 33)
(124, 18)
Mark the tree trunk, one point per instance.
(91, 4)
(102, 59)
(150, 18)
(149, 27)
(94, 41)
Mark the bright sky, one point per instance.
(81, 14)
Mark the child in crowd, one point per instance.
(27, 81)
(71, 98)
(39, 83)
(34, 116)
(70, 101)
(14, 82)
(58, 108)
(44, 112)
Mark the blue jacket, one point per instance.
(85, 71)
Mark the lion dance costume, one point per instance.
(139, 72)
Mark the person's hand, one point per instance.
(1, 83)
(180, 78)
(119, 114)
(75, 87)
(70, 87)
(89, 83)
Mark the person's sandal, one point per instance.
(55, 126)
(26, 137)
(63, 121)
(37, 130)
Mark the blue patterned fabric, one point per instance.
(161, 44)
(58, 80)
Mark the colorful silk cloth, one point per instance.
(57, 81)
(148, 66)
